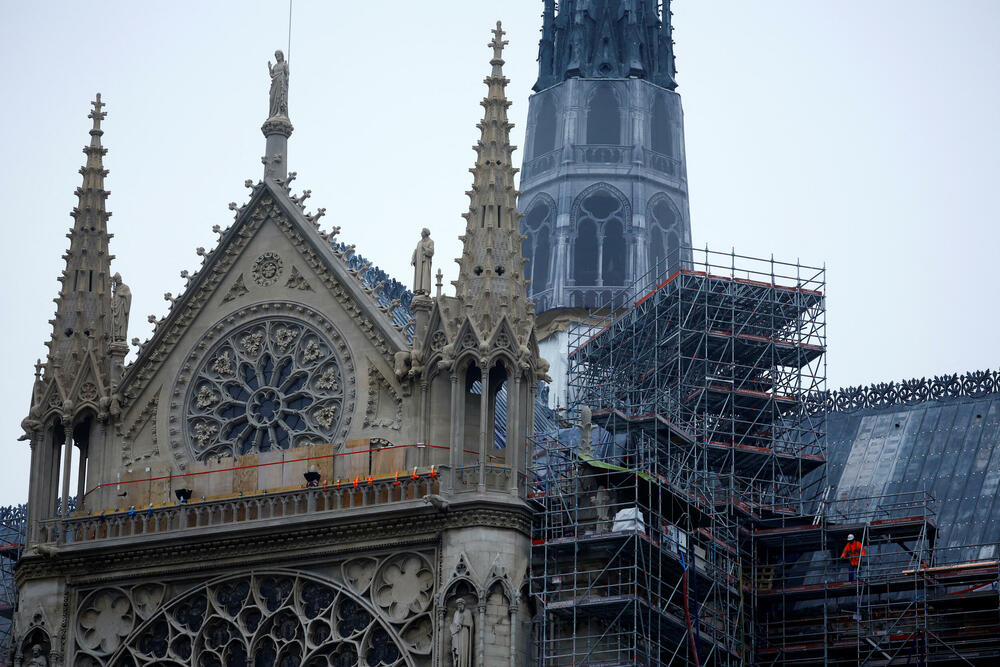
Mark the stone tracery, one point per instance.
(273, 383)
(280, 619)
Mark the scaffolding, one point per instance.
(683, 513)
(698, 391)
(12, 532)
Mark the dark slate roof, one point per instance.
(941, 436)
(387, 289)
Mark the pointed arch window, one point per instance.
(585, 254)
(664, 238)
(545, 129)
(661, 135)
(538, 224)
(614, 255)
(600, 252)
(604, 118)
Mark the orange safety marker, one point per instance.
(371, 480)
(356, 479)
(414, 475)
(395, 482)
(433, 472)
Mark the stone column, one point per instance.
(35, 486)
(513, 632)
(67, 464)
(481, 634)
(600, 258)
(442, 659)
(455, 452)
(514, 435)
(276, 131)
(81, 476)
(484, 425)
(425, 415)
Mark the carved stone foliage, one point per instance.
(906, 392)
(297, 281)
(267, 269)
(379, 617)
(236, 290)
(272, 376)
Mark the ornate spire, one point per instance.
(491, 269)
(77, 361)
(606, 39)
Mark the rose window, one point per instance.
(275, 620)
(270, 384)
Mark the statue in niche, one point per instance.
(121, 305)
(37, 659)
(279, 85)
(461, 636)
(422, 263)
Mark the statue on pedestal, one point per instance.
(422, 263)
(121, 305)
(279, 85)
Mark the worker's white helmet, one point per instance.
(850, 537)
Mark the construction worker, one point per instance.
(852, 553)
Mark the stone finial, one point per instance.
(498, 42)
(97, 115)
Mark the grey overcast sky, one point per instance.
(862, 134)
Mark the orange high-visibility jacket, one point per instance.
(853, 551)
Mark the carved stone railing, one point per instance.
(908, 392)
(541, 164)
(497, 478)
(602, 154)
(333, 498)
(662, 163)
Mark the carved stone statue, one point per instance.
(422, 263)
(279, 85)
(461, 636)
(602, 503)
(586, 432)
(37, 659)
(121, 305)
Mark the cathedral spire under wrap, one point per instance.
(491, 269)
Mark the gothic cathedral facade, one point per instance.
(306, 464)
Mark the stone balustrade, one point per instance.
(331, 498)
(603, 154)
